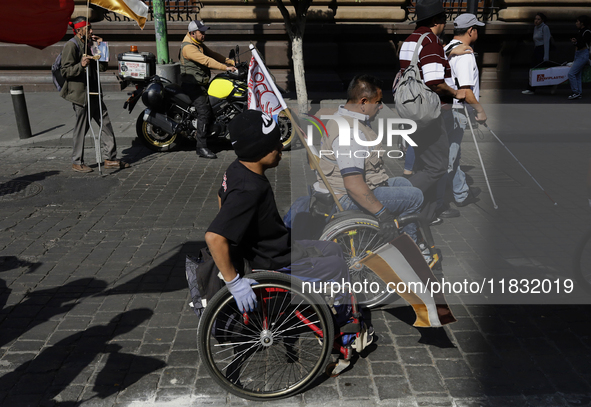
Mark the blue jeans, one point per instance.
(399, 197)
(409, 161)
(576, 70)
(455, 173)
(455, 124)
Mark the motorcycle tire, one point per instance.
(155, 138)
(287, 131)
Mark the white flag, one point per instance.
(134, 9)
(263, 94)
(401, 265)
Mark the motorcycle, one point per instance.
(170, 117)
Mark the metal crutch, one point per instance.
(479, 156)
(97, 139)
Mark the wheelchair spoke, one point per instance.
(284, 322)
(235, 343)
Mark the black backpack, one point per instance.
(58, 79)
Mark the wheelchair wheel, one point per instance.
(357, 233)
(283, 346)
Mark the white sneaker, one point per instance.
(575, 96)
(528, 92)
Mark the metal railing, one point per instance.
(176, 10)
(487, 11)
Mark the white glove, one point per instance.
(241, 289)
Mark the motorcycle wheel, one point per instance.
(287, 131)
(154, 137)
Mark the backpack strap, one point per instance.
(415, 56)
(451, 47)
(73, 39)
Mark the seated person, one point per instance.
(359, 179)
(248, 218)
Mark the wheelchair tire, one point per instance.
(277, 353)
(356, 233)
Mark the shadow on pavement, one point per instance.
(48, 130)
(56, 367)
(136, 152)
(429, 336)
(42, 305)
(541, 351)
(538, 350)
(10, 187)
(10, 263)
(165, 276)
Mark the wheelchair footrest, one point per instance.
(334, 369)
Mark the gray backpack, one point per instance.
(58, 79)
(414, 100)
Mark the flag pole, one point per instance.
(312, 158)
(302, 137)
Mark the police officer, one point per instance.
(197, 60)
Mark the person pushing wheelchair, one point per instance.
(248, 220)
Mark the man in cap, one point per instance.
(432, 152)
(248, 217)
(465, 76)
(197, 60)
(76, 59)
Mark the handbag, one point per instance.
(204, 279)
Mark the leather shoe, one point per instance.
(449, 213)
(206, 153)
(81, 168)
(116, 164)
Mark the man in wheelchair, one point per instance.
(248, 221)
(248, 218)
(355, 171)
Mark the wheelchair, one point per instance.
(357, 233)
(280, 348)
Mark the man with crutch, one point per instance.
(464, 76)
(76, 58)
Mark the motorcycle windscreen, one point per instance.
(221, 88)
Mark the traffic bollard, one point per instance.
(20, 112)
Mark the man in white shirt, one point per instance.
(464, 76)
(355, 171)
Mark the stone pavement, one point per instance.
(94, 303)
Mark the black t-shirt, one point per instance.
(249, 218)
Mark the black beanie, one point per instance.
(254, 134)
